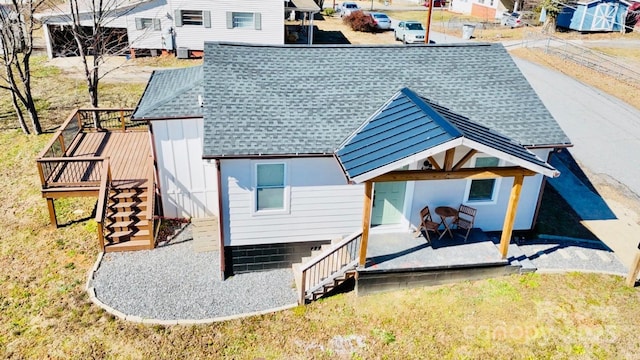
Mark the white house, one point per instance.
(485, 9)
(155, 26)
(279, 142)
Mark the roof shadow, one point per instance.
(577, 190)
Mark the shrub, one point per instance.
(329, 11)
(359, 21)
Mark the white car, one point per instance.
(346, 8)
(410, 32)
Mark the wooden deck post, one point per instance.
(366, 221)
(124, 127)
(510, 216)
(52, 212)
(633, 272)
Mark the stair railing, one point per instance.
(325, 265)
(103, 201)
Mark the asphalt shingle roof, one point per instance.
(409, 124)
(283, 100)
(172, 94)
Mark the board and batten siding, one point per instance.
(322, 205)
(193, 36)
(188, 183)
(490, 216)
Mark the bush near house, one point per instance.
(359, 21)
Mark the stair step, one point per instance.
(129, 246)
(126, 214)
(128, 195)
(120, 224)
(130, 204)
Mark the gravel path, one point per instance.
(174, 282)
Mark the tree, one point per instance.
(551, 8)
(16, 43)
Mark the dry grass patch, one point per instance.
(608, 84)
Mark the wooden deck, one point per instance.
(128, 153)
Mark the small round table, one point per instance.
(446, 212)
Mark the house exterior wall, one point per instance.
(490, 216)
(322, 205)
(150, 38)
(188, 183)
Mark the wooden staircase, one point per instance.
(327, 268)
(127, 226)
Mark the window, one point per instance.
(148, 23)
(483, 190)
(244, 20)
(270, 187)
(193, 17)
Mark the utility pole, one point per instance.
(428, 25)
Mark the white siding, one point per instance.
(188, 183)
(323, 206)
(149, 38)
(490, 216)
(193, 37)
(461, 6)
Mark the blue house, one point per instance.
(597, 15)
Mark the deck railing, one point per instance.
(55, 165)
(327, 265)
(103, 201)
(70, 171)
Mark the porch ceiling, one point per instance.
(409, 128)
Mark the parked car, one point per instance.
(410, 32)
(346, 8)
(382, 21)
(518, 19)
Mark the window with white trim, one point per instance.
(483, 189)
(270, 187)
(148, 23)
(244, 20)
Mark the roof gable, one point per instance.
(409, 127)
(287, 100)
(172, 93)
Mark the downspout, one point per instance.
(310, 37)
(220, 220)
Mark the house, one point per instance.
(149, 27)
(291, 147)
(484, 9)
(10, 28)
(597, 15)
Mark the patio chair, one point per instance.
(464, 220)
(427, 224)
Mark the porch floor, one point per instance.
(405, 252)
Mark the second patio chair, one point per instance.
(464, 220)
(427, 224)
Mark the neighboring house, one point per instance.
(597, 15)
(180, 26)
(10, 25)
(484, 9)
(283, 143)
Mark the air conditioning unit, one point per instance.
(182, 53)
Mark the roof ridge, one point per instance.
(174, 94)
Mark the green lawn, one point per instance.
(45, 313)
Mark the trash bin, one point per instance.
(467, 31)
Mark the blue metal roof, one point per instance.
(409, 124)
(404, 126)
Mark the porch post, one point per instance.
(510, 216)
(52, 212)
(635, 269)
(366, 221)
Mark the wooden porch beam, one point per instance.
(635, 269)
(464, 159)
(467, 173)
(366, 221)
(510, 216)
(434, 163)
(448, 159)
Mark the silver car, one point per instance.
(382, 21)
(410, 32)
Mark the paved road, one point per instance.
(605, 131)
